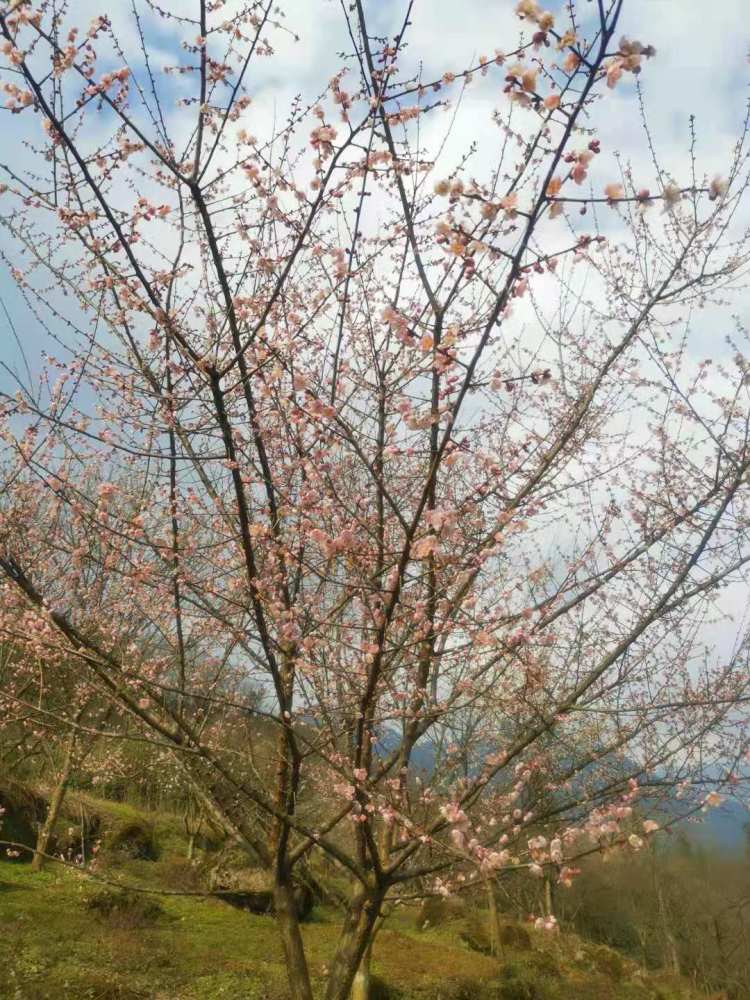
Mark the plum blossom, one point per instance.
(426, 546)
(454, 814)
(627, 60)
(614, 192)
(548, 924)
(106, 491)
(566, 876)
(671, 195)
(531, 10)
(321, 139)
(717, 188)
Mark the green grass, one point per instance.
(53, 946)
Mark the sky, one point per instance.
(701, 69)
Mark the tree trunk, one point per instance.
(191, 847)
(495, 942)
(672, 954)
(363, 978)
(53, 810)
(548, 907)
(83, 836)
(356, 938)
(291, 939)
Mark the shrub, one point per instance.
(544, 964)
(460, 988)
(124, 909)
(97, 986)
(134, 839)
(380, 990)
(250, 888)
(475, 934)
(457, 987)
(436, 910)
(609, 962)
(521, 982)
(181, 874)
(516, 936)
(24, 811)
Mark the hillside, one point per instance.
(55, 945)
(62, 936)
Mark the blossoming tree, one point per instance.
(422, 451)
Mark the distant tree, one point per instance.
(679, 906)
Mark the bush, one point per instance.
(134, 839)
(516, 936)
(124, 909)
(475, 934)
(456, 987)
(96, 986)
(181, 874)
(609, 962)
(520, 982)
(463, 988)
(251, 889)
(436, 910)
(380, 990)
(544, 964)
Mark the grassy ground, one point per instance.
(53, 945)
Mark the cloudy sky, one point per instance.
(701, 69)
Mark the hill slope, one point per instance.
(61, 937)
